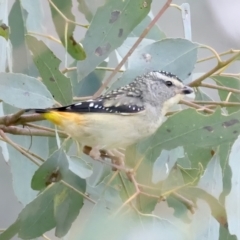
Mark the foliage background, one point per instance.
(206, 30)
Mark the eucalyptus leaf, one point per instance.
(80, 167)
(155, 33)
(185, 128)
(211, 181)
(177, 56)
(229, 82)
(65, 30)
(110, 26)
(58, 204)
(233, 199)
(23, 91)
(22, 60)
(204, 226)
(48, 67)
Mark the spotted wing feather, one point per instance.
(125, 100)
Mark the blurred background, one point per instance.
(214, 23)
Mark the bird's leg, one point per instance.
(93, 152)
(116, 156)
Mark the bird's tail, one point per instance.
(50, 114)
(37, 110)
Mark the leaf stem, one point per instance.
(79, 192)
(45, 36)
(231, 51)
(65, 18)
(216, 55)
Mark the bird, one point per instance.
(120, 117)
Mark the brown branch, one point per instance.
(222, 104)
(29, 131)
(197, 82)
(195, 105)
(207, 85)
(189, 204)
(141, 37)
(12, 118)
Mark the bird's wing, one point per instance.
(125, 100)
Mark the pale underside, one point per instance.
(109, 131)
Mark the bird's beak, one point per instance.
(186, 90)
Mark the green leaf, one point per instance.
(88, 85)
(48, 66)
(211, 181)
(233, 199)
(80, 167)
(203, 225)
(22, 60)
(224, 151)
(84, 9)
(225, 235)
(58, 204)
(198, 155)
(127, 226)
(155, 33)
(34, 15)
(9, 233)
(165, 162)
(65, 30)
(185, 128)
(201, 96)
(23, 91)
(4, 30)
(22, 168)
(217, 210)
(110, 26)
(177, 56)
(229, 82)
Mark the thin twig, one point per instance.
(17, 147)
(216, 55)
(96, 68)
(228, 89)
(231, 51)
(141, 37)
(189, 204)
(222, 104)
(195, 105)
(64, 17)
(197, 82)
(45, 36)
(29, 132)
(79, 192)
(44, 128)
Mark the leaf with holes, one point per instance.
(185, 129)
(59, 202)
(110, 26)
(177, 56)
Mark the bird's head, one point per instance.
(163, 88)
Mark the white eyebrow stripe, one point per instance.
(163, 77)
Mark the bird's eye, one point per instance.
(169, 83)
